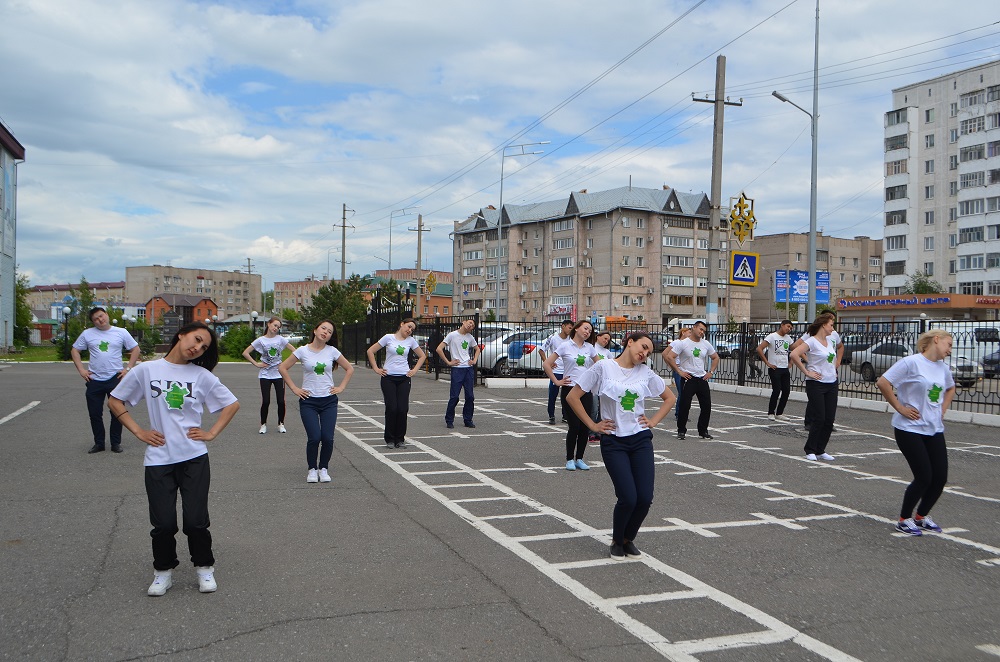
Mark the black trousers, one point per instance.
(928, 460)
(578, 433)
(396, 391)
(97, 394)
(192, 478)
(822, 410)
(781, 386)
(265, 398)
(695, 387)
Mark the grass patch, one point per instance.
(32, 354)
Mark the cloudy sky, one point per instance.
(200, 134)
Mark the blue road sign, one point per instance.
(743, 268)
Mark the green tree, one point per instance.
(236, 340)
(921, 283)
(338, 303)
(22, 312)
(291, 316)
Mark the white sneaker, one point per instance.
(781, 417)
(263, 429)
(313, 477)
(811, 456)
(206, 579)
(162, 580)
(825, 456)
(281, 428)
(771, 417)
(324, 476)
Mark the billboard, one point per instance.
(793, 286)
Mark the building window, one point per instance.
(929, 192)
(993, 231)
(928, 268)
(640, 261)
(843, 277)
(968, 235)
(562, 281)
(972, 153)
(972, 125)
(590, 281)
(971, 288)
(928, 218)
(992, 260)
(972, 99)
(798, 257)
(929, 140)
(970, 262)
(590, 242)
(895, 142)
(897, 268)
(874, 278)
(895, 192)
(560, 226)
(929, 167)
(971, 207)
(928, 243)
(952, 189)
(951, 268)
(895, 242)
(953, 213)
(993, 176)
(560, 244)
(897, 217)
(895, 167)
(953, 109)
(626, 240)
(953, 162)
(929, 115)
(562, 263)
(843, 261)
(894, 117)
(626, 222)
(971, 179)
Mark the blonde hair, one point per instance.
(927, 338)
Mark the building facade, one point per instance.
(11, 151)
(854, 265)
(297, 295)
(234, 292)
(104, 293)
(188, 308)
(942, 182)
(630, 252)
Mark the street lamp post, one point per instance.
(66, 311)
(814, 120)
(503, 157)
(253, 323)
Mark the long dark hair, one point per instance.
(210, 358)
(572, 334)
(333, 336)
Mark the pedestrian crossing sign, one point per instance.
(743, 268)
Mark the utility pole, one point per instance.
(420, 230)
(343, 243)
(250, 283)
(715, 211)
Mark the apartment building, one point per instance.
(296, 294)
(942, 182)
(632, 252)
(11, 151)
(234, 292)
(854, 265)
(105, 293)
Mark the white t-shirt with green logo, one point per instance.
(317, 369)
(105, 349)
(777, 349)
(270, 354)
(460, 347)
(822, 358)
(622, 392)
(575, 360)
(920, 383)
(175, 395)
(692, 357)
(397, 361)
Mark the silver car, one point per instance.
(872, 363)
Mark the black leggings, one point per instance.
(928, 460)
(578, 434)
(265, 398)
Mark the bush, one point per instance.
(236, 340)
(150, 339)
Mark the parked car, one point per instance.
(493, 351)
(991, 364)
(853, 343)
(523, 354)
(294, 338)
(872, 363)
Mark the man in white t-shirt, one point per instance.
(103, 372)
(687, 357)
(548, 346)
(773, 351)
(464, 353)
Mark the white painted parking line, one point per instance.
(992, 649)
(27, 407)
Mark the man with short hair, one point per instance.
(678, 380)
(464, 351)
(776, 345)
(688, 358)
(103, 372)
(548, 346)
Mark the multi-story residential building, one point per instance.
(11, 151)
(296, 295)
(854, 265)
(942, 182)
(234, 292)
(43, 297)
(627, 252)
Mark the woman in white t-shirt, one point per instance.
(816, 357)
(176, 389)
(577, 354)
(602, 340)
(396, 373)
(623, 384)
(318, 395)
(269, 346)
(924, 389)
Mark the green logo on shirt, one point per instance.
(175, 396)
(696, 351)
(400, 350)
(465, 344)
(580, 359)
(628, 400)
(272, 352)
(103, 346)
(320, 368)
(598, 357)
(786, 344)
(934, 393)
(830, 357)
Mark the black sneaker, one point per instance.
(680, 435)
(631, 550)
(552, 420)
(617, 551)
(96, 449)
(117, 448)
(470, 424)
(707, 436)
(450, 425)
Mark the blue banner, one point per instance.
(795, 289)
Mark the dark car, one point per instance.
(991, 365)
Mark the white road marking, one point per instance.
(27, 407)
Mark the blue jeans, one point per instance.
(629, 461)
(461, 379)
(553, 394)
(679, 383)
(319, 418)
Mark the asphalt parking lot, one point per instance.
(478, 544)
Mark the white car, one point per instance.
(872, 363)
(493, 351)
